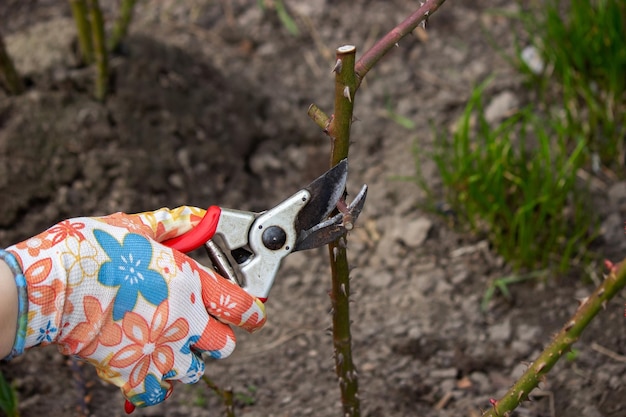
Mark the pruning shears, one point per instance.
(248, 248)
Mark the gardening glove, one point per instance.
(104, 289)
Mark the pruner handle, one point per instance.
(199, 235)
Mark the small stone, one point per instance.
(529, 333)
(459, 277)
(519, 370)
(612, 229)
(415, 333)
(368, 367)
(447, 373)
(481, 380)
(500, 332)
(442, 287)
(426, 281)
(531, 57)
(617, 193)
(591, 411)
(177, 181)
(448, 385)
(415, 233)
(380, 279)
(521, 348)
(501, 106)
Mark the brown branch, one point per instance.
(387, 42)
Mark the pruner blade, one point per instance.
(324, 192)
(330, 229)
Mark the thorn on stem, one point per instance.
(337, 67)
(494, 404)
(346, 93)
(540, 368)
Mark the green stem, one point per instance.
(345, 89)
(101, 56)
(562, 343)
(79, 11)
(339, 132)
(120, 28)
(11, 78)
(347, 80)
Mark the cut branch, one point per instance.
(348, 77)
(319, 117)
(339, 132)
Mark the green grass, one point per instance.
(516, 184)
(502, 285)
(283, 14)
(582, 44)
(8, 398)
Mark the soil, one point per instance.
(208, 106)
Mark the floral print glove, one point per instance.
(104, 289)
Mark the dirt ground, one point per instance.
(209, 107)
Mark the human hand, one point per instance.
(106, 290)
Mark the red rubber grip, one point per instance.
(199, 235)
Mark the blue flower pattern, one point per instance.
(153, 393)
(128, 269)
(196, 368)
(186, 349)
(46, 333)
